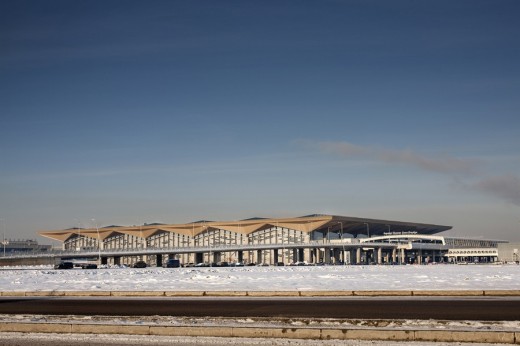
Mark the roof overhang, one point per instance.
(306, 224)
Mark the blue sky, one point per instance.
(173, 111)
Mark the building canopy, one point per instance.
(357, 227)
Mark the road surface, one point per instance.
(445, 308)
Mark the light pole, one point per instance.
(283, 246)
(210, 243)
(342, 242)
(4, 242)
(368, 229)
(78, 245)
(99, 241)
(192, 240)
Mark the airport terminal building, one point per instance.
(311, 239)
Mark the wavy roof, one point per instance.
(304, 224)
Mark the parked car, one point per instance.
(89, 266)
(140, 264)
(173, 263)
(64, 265)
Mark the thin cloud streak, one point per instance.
(463, 171)
(441, 164)
(505, 187)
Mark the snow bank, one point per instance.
(436, 277)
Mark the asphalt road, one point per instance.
(482, 308)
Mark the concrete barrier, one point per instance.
(281, 333)
(333, 334)
(110, 329)
(273, 293)
(510, 293)
(465, 336)
(382, 293)
(12, 294)
(225, 293)
(191, 331)
(326, 293)
(88, 293)
(137, 293)
(184, 293)
(449, 293)
(378, 334)
(35, 327)
(316, 333)
(420, 293)
(45, 294)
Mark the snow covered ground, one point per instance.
(22, 339)
(431, 277)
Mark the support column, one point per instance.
(394, 255)
(358, 255)
(259, 258)
(352, 256)
(403, 257)
(327, 255)
(379, 255)
(307, 255)
(336, 255)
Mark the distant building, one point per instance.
(509, 252)
(318, 239)
(23, 245)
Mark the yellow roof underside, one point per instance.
(303, 224)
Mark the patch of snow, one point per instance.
(409, 277)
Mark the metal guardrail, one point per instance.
(352, 243)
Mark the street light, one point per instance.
(78, 245)
(4, 242)
(209, 243)
(342, 242)
(193, 245)
(99, 241)
(283, 246)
